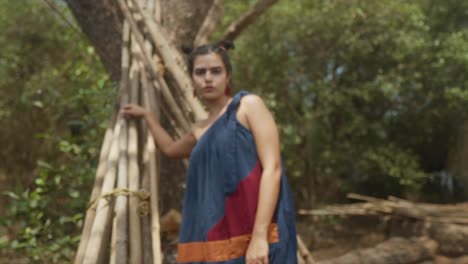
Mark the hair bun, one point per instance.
(186, 49)
(226, 44)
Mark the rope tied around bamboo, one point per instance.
(143, 195)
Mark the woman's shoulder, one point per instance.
(251, 100)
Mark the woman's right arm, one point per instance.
(176, 149)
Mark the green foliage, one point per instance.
(368, 94)
(56, 104)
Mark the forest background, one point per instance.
(370, 97)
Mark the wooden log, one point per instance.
(393, 251)
(424, 212)
(133, 171)
(303, 252)
(100, 172)
(300, 259)
(453, 238)
(446, 260)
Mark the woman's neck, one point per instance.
(216, 106)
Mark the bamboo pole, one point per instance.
(119, 246)
(154, 179)
(100, 172)
(113, 256)
(133, 170)
(146, 180)
(119, 252)
(148, 102)
(157, 10)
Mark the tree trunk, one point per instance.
(101, 21)
(182, 19)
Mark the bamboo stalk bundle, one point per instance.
(100, 228)
(120, 227)
(100, 172)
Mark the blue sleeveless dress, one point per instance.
(221, 198)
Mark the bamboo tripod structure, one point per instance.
(122, 220)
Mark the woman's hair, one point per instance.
(219, 48)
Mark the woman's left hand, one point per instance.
(257, 252)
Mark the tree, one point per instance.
(369, 94)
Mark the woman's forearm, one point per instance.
(267, 201)
(160, 135)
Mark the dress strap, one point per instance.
(235, 101)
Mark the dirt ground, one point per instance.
(326, 237)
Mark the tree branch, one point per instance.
(247, 18)
(212, 20)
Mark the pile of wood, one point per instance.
(396, 207)
(443, 231)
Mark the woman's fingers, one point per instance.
(128, 111)
(258, 260)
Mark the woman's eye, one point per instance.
(200, 72)
(216, 71)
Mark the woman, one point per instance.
(237, 205)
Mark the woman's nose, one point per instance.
(208, 75)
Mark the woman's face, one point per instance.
(209, 76)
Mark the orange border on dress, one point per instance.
(220, 250)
